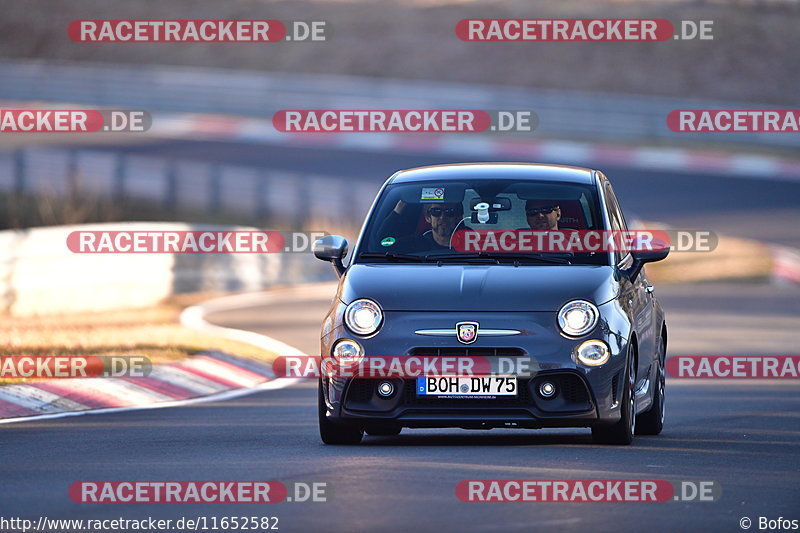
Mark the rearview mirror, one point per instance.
(331, 248)
(495, 204)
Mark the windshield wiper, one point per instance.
(392, 257)
(440, 258)
(543, 258)
(497, 257)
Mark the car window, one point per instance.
(421, 218)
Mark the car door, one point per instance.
(635, 294)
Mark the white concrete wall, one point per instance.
(40, 275)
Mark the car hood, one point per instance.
(477, 287)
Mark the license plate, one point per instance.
(467, 386)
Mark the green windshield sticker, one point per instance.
(388, 241)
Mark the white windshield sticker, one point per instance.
(432, 193)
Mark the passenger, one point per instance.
(543, 215)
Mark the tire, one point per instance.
(384, 432)
(651, 422)
(622, 431)
(333, 433)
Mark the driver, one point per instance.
(444, 219)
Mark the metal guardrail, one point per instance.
(291, 199)
(565, 114)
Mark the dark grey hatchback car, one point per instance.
(588, 321)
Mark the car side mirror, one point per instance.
(331, 248)
(640, 257)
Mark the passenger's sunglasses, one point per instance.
(448, 212)
(533, 211)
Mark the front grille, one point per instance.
(614, 383)
(468, 351)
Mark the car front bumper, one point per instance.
(586, 396)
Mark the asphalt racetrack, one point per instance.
(744, 435)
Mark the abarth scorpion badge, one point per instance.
(467, 332)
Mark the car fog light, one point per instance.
(385, 388)
(348, 352)
(593, 353)
(547, 389)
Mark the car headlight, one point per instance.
(363, 317)
(347, 352)
(578, 317)
(592, 353)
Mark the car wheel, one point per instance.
(651, 422)
(622, 431)
(331, 432)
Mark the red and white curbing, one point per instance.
(206, 375)
(201, 378)
(219, 127)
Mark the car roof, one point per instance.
(516, 171)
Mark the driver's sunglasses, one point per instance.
(533, 211)
(448, 212)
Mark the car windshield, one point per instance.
(482, 220)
